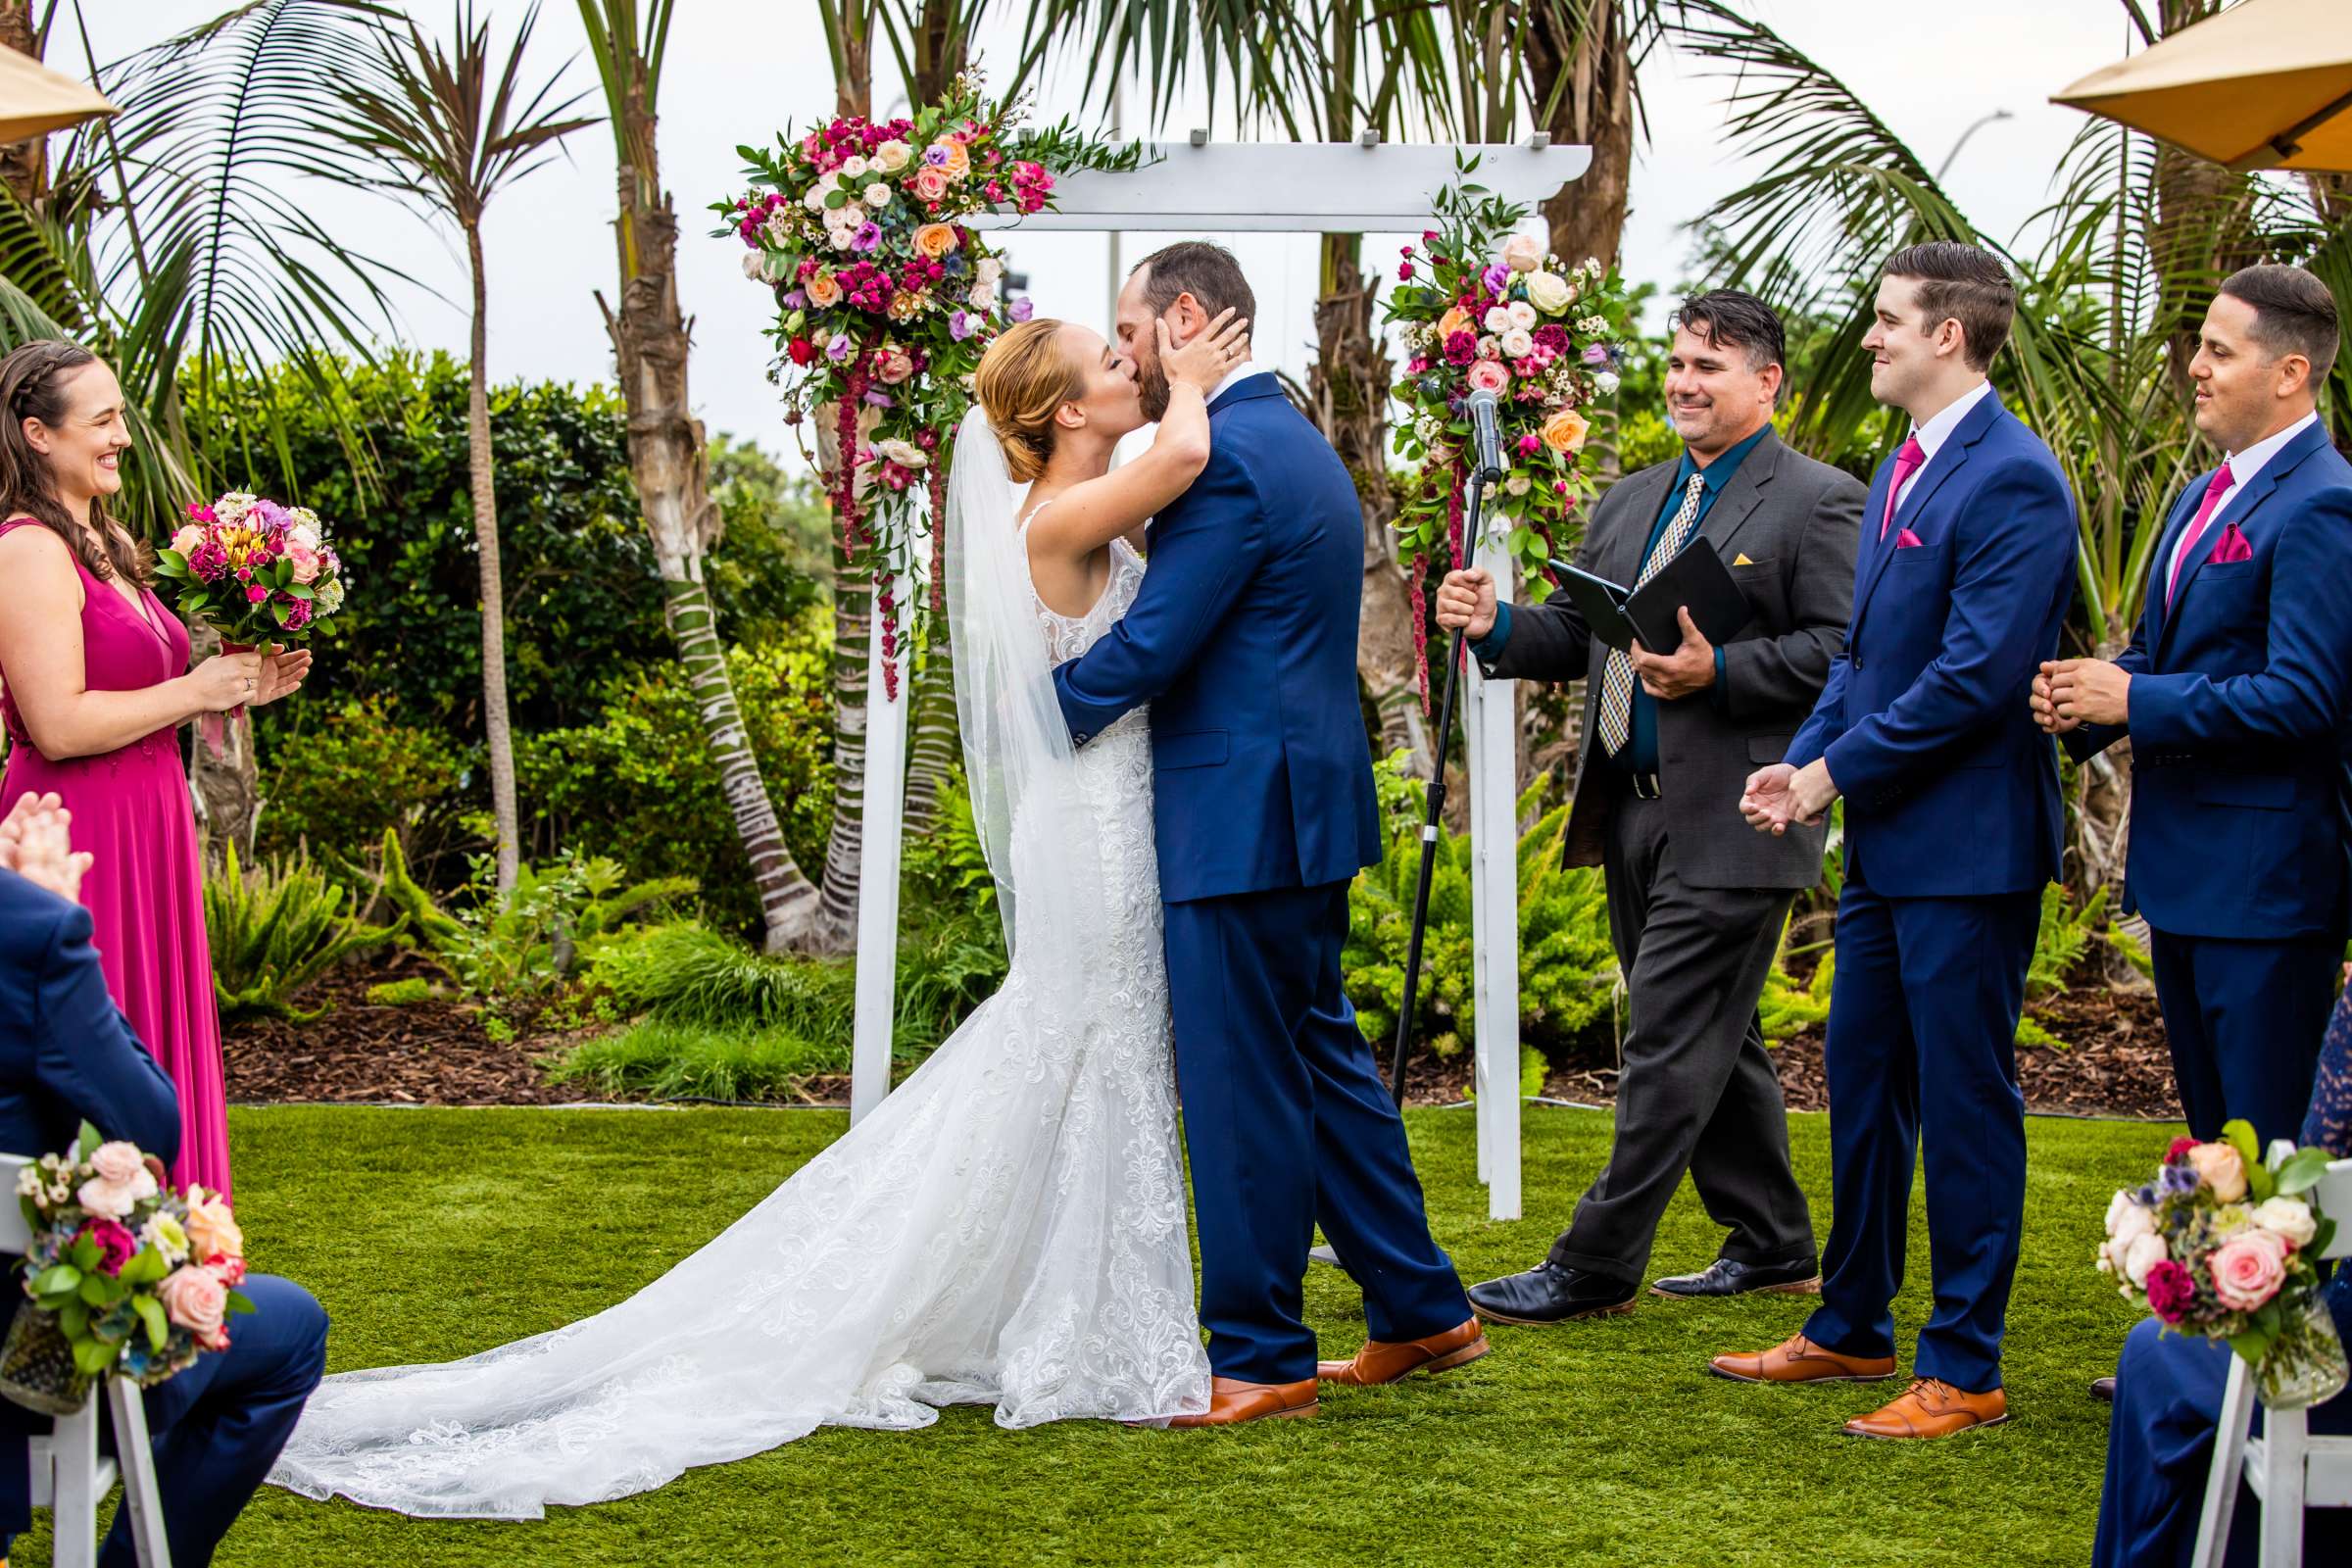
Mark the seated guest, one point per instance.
(2168, 1399)
(68, 1056)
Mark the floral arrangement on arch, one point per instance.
(886, 296)
(124, 1274)
(2225, 1243)
(1483, 306)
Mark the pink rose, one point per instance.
(305, 563)
(115, 1246)
(1522, 253)
(2220, 1168)
(256, 594)
(2248, 1268)
(213, 1229)
(196, 1301)
(187, 539)
(1488, 376)
(891, 365)
(930, 184)
(119, 1162)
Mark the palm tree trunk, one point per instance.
(1594, 108)
(23, 164)
(495, 725)
(836, 929)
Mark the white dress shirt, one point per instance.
(2243, 467)
(1932, 435)
(1235, 377)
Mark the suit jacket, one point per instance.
(1243, 640)
(65, 1057)
(1796, 521)
(2238, 707)
(1952, 789)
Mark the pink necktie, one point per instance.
(1907, 462)
(2218, 487)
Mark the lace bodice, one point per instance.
(1068, 636)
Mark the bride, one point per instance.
(1009, 1226)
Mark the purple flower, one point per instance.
(1498, 279)
(868, 237)
(1597, 354)
(839, 349)
(797, 300)
(2181, 1178)
(271, 514)
(880, 400)
(959, 327)
(1021, 309)
(937, 155)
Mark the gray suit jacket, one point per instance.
(1797, 522)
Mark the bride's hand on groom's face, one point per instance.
(1205, 361)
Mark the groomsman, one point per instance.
(1951, 830)
(1696, 901)
(2233, 693)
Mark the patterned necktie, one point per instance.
(1909, 462)
(2217, 488)
(1617, 677)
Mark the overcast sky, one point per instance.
(738, 69)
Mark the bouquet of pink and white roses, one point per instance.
(2225, 1243)
(123, 1275)
(260, 572)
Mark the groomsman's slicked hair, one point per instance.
(1731, 318)
(2293, 314)
(1964, 284)
(1207, 273)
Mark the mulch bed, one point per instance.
(437, 1052)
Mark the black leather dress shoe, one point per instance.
(1549, 1293)
(1725, 1277)
(2103, 1389)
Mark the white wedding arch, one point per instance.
(1359, 187)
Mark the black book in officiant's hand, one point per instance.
(1696, 580)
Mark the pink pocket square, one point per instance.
(2231, 546)
(1905, 539)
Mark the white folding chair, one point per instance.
(2288, 1468)
(68, 1474)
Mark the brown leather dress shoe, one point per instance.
(1230, 1401)
(1931, 1408)
(1382, 1362)
(1797, 1360)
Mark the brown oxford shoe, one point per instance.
(1382, 1362)
(1797, 1360)
(1230, 1401)
(1931, 1408)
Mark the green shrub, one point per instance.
(1787, 1009)
(352, 775)
(405, 993)
(688, 1061)
(685, 973)
(1567, 969)
(276, 929)
(515, 948)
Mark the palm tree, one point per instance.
(447, 129)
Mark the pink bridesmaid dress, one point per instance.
(145, 893)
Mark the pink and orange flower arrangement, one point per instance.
(1484, 308)
(260, 572)
(2225, 1243)
(134, 1277)
(888, 296)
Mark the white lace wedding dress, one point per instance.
(1008, 1227)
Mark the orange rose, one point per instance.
(935, 240)
(1454, 321)
(1565, 431)
(823, 292)
(955, 161)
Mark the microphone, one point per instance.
(1488, 439)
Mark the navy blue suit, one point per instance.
(2239, 786)
(1243, 640)
(68, 1056)
(1952, 824)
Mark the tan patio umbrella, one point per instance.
(35, 100)
(2266, 84)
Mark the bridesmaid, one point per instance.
(94, 680)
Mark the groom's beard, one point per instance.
(1151, 387)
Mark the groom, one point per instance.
(1243, 640)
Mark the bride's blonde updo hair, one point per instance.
(1024, 378)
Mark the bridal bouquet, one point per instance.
(2226, 1245)
(886, 296)
(123, 1275)
(1484, 308)
(260, 572)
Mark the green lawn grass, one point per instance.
(435, 1233)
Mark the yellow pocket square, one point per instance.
(1741, 561)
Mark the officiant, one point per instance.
(1697, 899)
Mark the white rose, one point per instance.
(1489, 347)
(1517, 484)
(853, 167)
(107, 1199)
(841, 237)
(1517, 344)
(1521, 252)
(906, 454)
(2127, 1219)
(983, 297)
(2289, 1218)
(1497, 319)
(815, 201)
(1522, 314)
(1549, 292)
(753, 268)
(2145, 1253)
(988, 271)
(892, 156)
(877, 194)
(302, 536)
(1605, 383)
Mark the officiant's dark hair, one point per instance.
(2293, 314)
(1733, 319)
(1207, 273)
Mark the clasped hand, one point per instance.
(1781, 794)
(34, 843)
(2069, 693)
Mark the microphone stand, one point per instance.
(1481, 475)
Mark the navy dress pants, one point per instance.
(1923, 1018)
(217, 1427)
(1287, 1123)
(2245, 1020)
